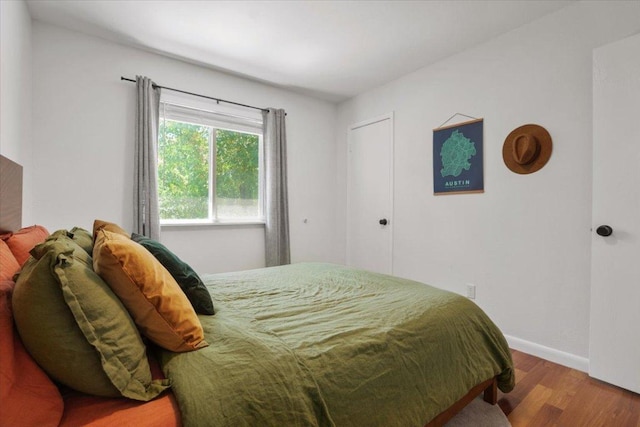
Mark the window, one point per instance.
(209, 166)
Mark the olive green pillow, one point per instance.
(80, 236)
(76, 328)
(187, 278)
(83, 238)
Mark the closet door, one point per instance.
(614, 342)
(369, 195)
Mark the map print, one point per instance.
(458, 158)
(455, 154)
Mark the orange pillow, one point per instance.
(148, 291)
(8, 263)
(27, 395)
(99, 224)
(23, 240)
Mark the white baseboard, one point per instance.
(548, 353)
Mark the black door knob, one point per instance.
(383, 221)
(604, 230)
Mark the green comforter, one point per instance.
(325, 345)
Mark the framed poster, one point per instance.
(458, 158)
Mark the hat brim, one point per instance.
(546, 146)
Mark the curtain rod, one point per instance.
(218, 100)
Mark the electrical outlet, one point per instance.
(471, 291)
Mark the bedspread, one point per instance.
(323, 345)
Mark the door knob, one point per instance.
(604, 230)
(383, 221)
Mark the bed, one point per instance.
(302, 345)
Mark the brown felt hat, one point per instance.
(527, 149)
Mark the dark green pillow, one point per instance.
(189, 281)
(75, 327)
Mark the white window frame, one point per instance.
(199, 111)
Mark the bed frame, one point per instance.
(11, 220)
(489, 388)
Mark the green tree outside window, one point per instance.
(184, 161)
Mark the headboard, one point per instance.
(10, 195)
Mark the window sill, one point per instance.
(212, 224)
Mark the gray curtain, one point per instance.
(145, 207)
(276, 201)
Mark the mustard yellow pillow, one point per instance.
(148, 291)
(99, 224)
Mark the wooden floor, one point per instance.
(547, 394)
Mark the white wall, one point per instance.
(83, 130)
(15, 93)
(525, 242)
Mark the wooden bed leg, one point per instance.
(491, 393)
(490, 389)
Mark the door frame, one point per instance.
(388, 116)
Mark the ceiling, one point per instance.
(329, 49)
